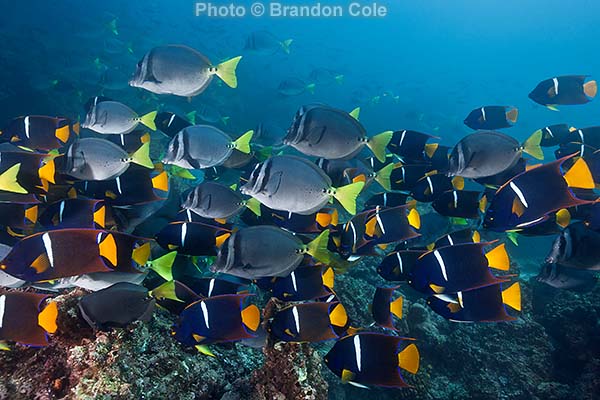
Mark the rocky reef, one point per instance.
(551, 352)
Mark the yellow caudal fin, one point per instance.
(563, 218)
(63, 133)
(338, 316)
(355, 113)
(8, 180)
(512, 114)
(318, 247)
(378, 144)
(219, 240)
(347, 375)
(476, 237)
(328, 277)
(47, 317)
(163, 265)
(142, 156)
(483, 203)
(31, 214)
(161, 182)
(414, 219)
(167, 290)
(141, 254)
(251, 317)
(590, 89)
(579, 176)
(311, 88)
(383, 176)
(431, 148)
(254, 206)
(226, 71)
(458, 183)
(396, 307)
(108, 249)
(100, 216)
(347, 195)
(204, 350)
(4, 346)
(243, 142)
(408, 359)
(285, 45)
(148, 120)
(518, 208)
(498, 258)
(532, 145)
(512, 296)
(48, 171)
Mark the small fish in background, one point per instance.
(105, 308)
(95, 159)
(209, 114)
(327, 132)
(433, 185)
(264, 42)
(295, 87)
(304, 283)
(216, 201)
(577, 246)
(114, 118)
(457, 237)
(269, 133)
(309, 322)
(384, 307)
(38, 132)
(461, 204)
(192, 238)
(485, 304)
(517, 204)
(564, 90)
(567, 278)
(27, 318)
(267, 251)
(325, 77)
(181, 71)
(373, 359)
(204, 146)
(554, 135)
(492, 117)
(294, 184)
(487, 153)
(398, 265)
(405, 177)
(171, 124)
(217, 319)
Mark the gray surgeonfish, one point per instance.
(267, 251)
(333, 134)
(560, 277)
(296, 185)
(487, 153)
(95, 159)
(117, 306)
(214, 200)
(181, 71)
(114, 118)
(204, 146)
(576, 247)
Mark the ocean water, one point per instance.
(422, 66)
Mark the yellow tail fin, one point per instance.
(226, 71)
(285, 45)
(167, 290)
(329, 278)
(338, 316)
(355, 113)
(63, 133)
(532, 145)
(243, 142)
(414, 219)
(251, 317)
(579, 176)
(563, 218)
(100, 216)
(512, 115)
(31, 214)
(163, 265)
(142, 156)
(347, 195)
(498, 258)
(141, 254)
(383, 176)
(431, 148)
(378, 144)
(408, 359)
(47, 318)
(512, 296)
(318, 247)
(161, 182)
(48, 171)
(590, 88)
(148, 120)
(8, 180)
(254, 206)
(108, 249)
(396, 307)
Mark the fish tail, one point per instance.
(383, 176)
(347, 195)
(141, 254)
(378, 144)
(590, 89)
(163, 265)
(311, 88)
(512, 114)
(396, 307)
(532, 145)
(339, 79)
(563, 218)
(512, 296)
(8, 180)
(48, 171)
(142, 156)
(191, 116)
(243, 142)
(318, 247)
(579, 176)
(458, 183)
(414, 219)
(355, 113)
(254, 206)
(408, 359)
(431, 148)
(285, 45)
(47, 317)
(251, 317)
(226, 71)
(225, 120)
(148, 120)
(498, 258)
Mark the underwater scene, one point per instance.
(273, 200)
